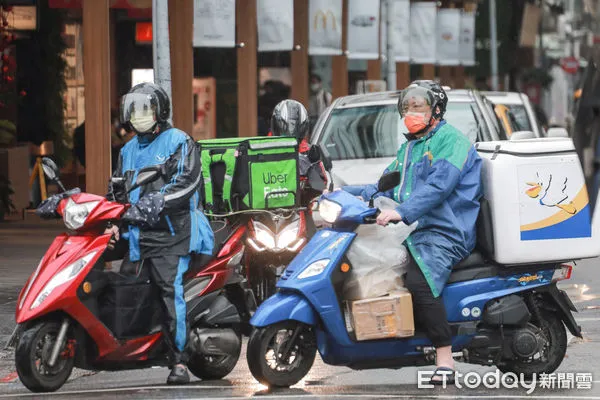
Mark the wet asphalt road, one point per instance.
(22, 245)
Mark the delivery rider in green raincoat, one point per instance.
(440, 189)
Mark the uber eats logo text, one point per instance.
(271, 178)
(275, 183)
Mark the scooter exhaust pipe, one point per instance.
(215, 342)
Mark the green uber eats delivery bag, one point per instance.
(249, 173)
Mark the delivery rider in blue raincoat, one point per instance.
(440, 189)
(165, 221)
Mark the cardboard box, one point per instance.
(373, 284)
(384, 317)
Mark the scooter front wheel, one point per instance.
(281, 355)
(32, 355)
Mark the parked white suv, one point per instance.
(362, 133)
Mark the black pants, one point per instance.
(166, 272)
(429, 311)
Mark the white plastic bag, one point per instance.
(378, 258)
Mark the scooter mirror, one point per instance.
(388, 181)
(315, 180)
(314, 154)
(50, 168)
(326, 158)
(145, 177)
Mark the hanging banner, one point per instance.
(402, 30)
(325, 27)
(214, 23)
(275, 21)
(363, 29)
(467, 38)
(423, 32)
(530, 25)
(448, 36)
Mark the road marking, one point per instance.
(113, 390)
(295, 396)
(9, 378)
(399, 396)
(587, 319)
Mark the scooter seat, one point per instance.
(475, 259)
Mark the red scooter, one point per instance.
(73, 311)
(275, 237)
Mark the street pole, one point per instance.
(160, 46)
(389, 51)
(493, 45)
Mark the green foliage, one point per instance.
(8, 133)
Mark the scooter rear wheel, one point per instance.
(33, 353)
(213, 367)
(551, 355)
(265, 359)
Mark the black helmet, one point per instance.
(431, 90)
(290, 119)
(145, 106)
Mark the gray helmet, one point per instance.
(433, 93)
(290, 118)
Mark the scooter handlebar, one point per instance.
(372, 219)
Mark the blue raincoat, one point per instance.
(182, 228)
(440, 188)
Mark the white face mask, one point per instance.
(315, 87)
(143, 124)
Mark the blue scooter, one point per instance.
(507, 316)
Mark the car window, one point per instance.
(363, 132)
(521, 120)
(466, 117)
(498, 125)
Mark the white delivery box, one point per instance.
(539, 202)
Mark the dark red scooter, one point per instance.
(73, 311)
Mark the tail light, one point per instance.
(562, 273)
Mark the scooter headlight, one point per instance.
(76, 214)
(67, 274)
(288, 235)
(314, 269)
(263, 235)
(329, 211)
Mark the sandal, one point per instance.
(446, 377)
